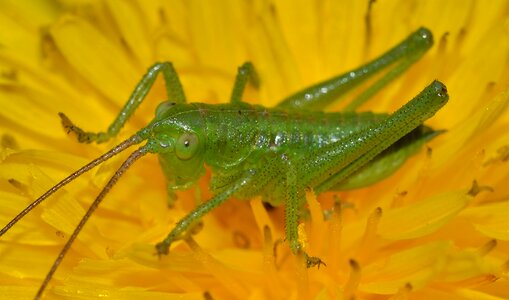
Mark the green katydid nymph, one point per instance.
(277, 153)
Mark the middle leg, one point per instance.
(245, 73)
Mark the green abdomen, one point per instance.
(235, 132)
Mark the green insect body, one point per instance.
(277, 153)
(233, 138)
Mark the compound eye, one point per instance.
(187, 144)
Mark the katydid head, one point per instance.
(176, 134)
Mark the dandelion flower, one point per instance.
(437, 228)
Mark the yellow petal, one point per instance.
(415, 266)
(423, 217)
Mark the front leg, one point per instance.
(174, 92)
(193, 217)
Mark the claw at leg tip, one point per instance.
(312, 261)
(162, 249)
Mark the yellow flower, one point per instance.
(437, 228)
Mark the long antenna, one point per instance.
(135, 139)
(113, 180)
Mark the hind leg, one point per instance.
(322, 94)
